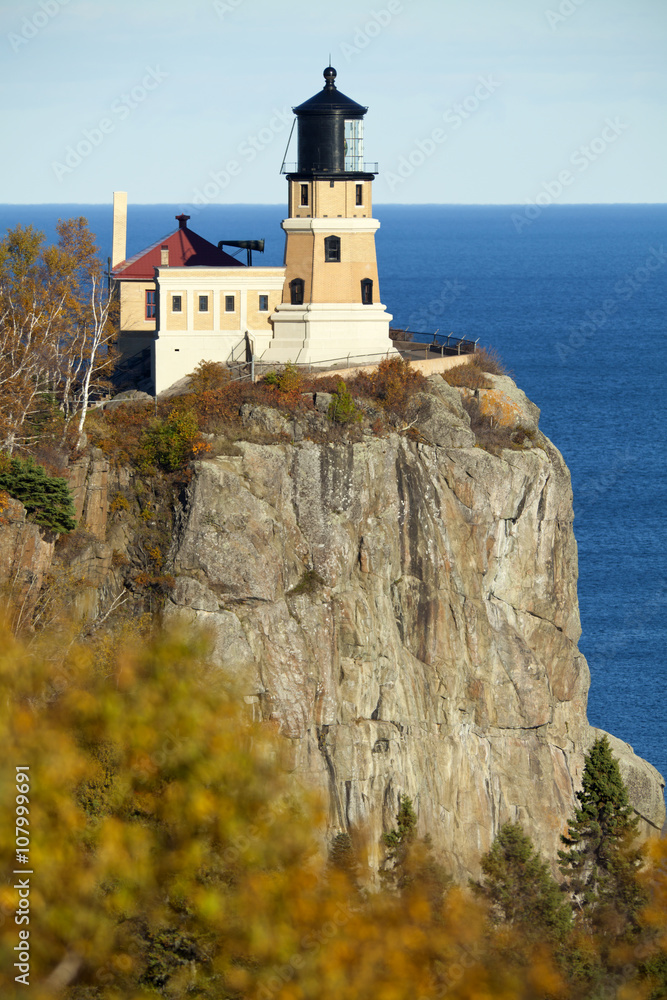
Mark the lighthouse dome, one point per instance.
(330, 132)
(330, 100)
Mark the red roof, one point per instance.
(186, 249)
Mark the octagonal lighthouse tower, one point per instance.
(331, 298)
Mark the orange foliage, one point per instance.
(392, 383)
(498, 408)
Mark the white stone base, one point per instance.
(316, 333)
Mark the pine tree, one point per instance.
(520, 887)
(343, 857)
(342, 408)
(409, 862)
(398, 842)
(47, 499)
(602, 860)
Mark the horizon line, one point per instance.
(384, 204)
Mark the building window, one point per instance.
(367, 292)
(332, 249)
(203, 303)
(151, 305)
(229, 304)
(354, 145)
(296, 291)
(176, 304)
(264, 303)
(360, 194)
(304, 194)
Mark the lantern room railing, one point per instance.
(293, 168)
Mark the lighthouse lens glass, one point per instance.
(354, 145)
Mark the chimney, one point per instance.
(164, 255)
(182, 221)
(119, 239)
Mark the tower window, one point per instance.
(151, 305)
(354, 144)
(176, 303)
(296, 291)
(229, 304)
(367, 292)
(304, 194)
(332, 249)
(360, 194)
(264, 303)
(203, 303)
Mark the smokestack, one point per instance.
(119, 244)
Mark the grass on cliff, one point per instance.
(471, 375)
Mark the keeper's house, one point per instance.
(185, 300)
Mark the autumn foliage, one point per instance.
(56, 332)
(170, 854)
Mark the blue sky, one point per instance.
(470, 101)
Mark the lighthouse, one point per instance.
(330, 304)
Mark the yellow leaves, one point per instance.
(165, 836)
(5, 504)
(7, 899)
(200, 448)
(119, 502)
(23, 722)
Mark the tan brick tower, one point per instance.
(330, 306)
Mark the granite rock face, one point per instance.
(26, 552)
(406, 609)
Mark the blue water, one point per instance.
(525, 288)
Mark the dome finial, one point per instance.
(330, 75)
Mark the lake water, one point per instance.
(575, 302)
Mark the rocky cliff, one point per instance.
(407, 611)
(405, 608)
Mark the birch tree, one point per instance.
(56, 327)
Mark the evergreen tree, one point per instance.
(342, 408)
(398, 842)
(47, 499)
(409, 861)
(520, 888)
(343, 857)
(602, 860)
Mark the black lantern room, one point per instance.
(331, 133)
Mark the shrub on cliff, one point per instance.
(472, 373)
(46, 498)
(208, 376)
(466, 375)
(288, 381)
(342, 409)
(172, 441)
(392, 384)
(488, 360)
(135, 435)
